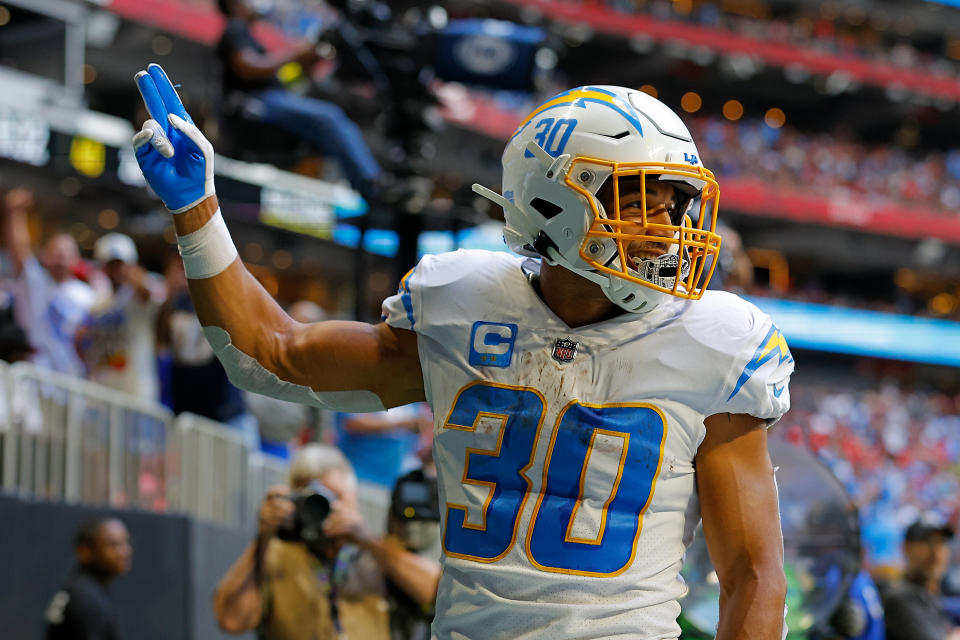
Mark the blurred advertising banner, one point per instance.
(491, 53)
(92, 145)
(866, 333)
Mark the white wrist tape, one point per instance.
(207, 251)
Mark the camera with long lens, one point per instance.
(311, 508)
(415, 510)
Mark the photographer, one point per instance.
(414, 520)
(913, 605)
(310, 574)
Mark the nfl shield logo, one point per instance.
(565, 350)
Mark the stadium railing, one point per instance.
(73, 440)
(264, 472)
(63, 438)
(212, 463)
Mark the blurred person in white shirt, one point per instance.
(50, 302)
(118, 338)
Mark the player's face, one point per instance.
(661, 203)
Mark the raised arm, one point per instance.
(741, 524)
(260, 346)
(16, 236)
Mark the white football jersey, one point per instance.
(565, 455)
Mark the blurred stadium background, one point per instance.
(833, 128)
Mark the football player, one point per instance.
(593, 401)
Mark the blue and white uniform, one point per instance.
(565, 455)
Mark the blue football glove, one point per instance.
(173, 155)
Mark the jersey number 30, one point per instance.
(551, 543)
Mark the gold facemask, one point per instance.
(693, 241)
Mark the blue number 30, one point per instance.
(552, 135)
(551, 544)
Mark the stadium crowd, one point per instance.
(824, 28)
(890, 446)
(829, 162)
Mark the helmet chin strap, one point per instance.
(626, 295)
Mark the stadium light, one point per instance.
(649, 89)
(108, 219)
(732, 110)
(281, 259)
(161, 45)
(775, 118)
(252, 252)
(953, 49)
(943, 304)
(691, 102)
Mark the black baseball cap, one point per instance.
(925, 527)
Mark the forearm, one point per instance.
(254, 66)
(237, 601)
(233, 298)
(16, 237)
(415, 575)
(752, 609)
(741, 524)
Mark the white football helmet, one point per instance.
(571, 146)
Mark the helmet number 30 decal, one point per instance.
(552, 135)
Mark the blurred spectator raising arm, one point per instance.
(50, 302)
(118, 339)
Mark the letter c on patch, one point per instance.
(491, 344)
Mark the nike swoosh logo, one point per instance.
(777, 391)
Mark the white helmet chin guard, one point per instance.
(590, 138)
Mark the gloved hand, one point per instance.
(173, 155)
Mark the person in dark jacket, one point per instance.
(250, 77)
(84, 609)
(912, 607)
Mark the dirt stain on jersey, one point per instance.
(609, 444)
